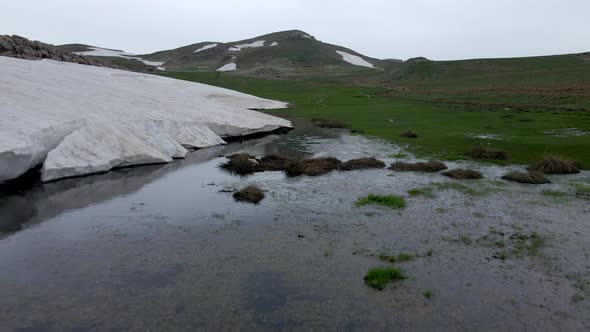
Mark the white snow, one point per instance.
(355, 59)
(307, 36)
(97, 51)
(239, 47)
(228, 67)
(77, 119)
(206, 47)
(274, 44)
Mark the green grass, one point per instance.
(394, 202)
(428, 293)
(399, 155)
(426, 192)
(379, 277)
(402, 257)
(520, 100)
(553, 193)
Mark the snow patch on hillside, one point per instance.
(75, 119)
(228, 67)
(239, 47)
(274, 44)
(104, 52)
(355, 60)
(206, 47)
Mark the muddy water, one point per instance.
(167, 248)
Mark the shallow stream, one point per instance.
(167, 248)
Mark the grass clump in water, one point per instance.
(428, 167)
(241, 164)
(551, 164)
(394, 202)
(428, 294)
(426, 192)
(250, 194)
(402, 257)
(463, 174)
(379, 277)
(526, 177)
(361, 163)
(312, 167)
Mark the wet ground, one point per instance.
(167, 248)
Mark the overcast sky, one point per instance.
(437, 29)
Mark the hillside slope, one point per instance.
(276, 55)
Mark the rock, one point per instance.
(20, 47)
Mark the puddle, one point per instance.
(164, 248)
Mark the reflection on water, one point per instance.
(166, 248)
(43, 201)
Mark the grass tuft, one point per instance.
(241, 164)
(361, 163)
(481, 152)
(312, 167)
(429, 167)
(409, 134)
(551, 164)
(428, 294)
(394, 202)
(379, 277)
(526, 177)
(250, 194)
(463, 174)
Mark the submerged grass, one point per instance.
(426, 192)
(394, 202)
(582, 188)
(379, 277)
(402, 257)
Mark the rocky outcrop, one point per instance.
(23, 48)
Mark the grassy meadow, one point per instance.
(528, 106)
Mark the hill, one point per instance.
(276, 55)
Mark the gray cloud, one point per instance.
(438, 29)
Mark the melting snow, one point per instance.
(76, 119)
(355, 60)
(237, 48)
(97, 51)
(274, 44)
(206, 47)
(228, 67)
